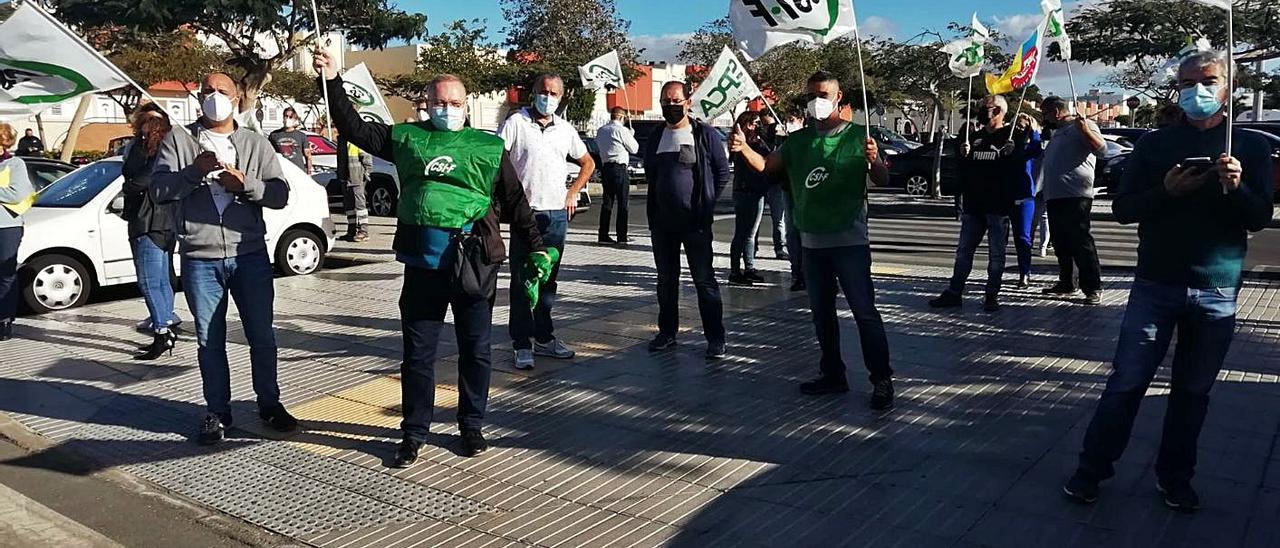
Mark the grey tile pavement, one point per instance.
(622, 448)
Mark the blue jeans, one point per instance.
(748, 210)
(778, 214)
(9, 286)
(248, 280)
(154, 266)
(1205, 322)
(972, 228)
(1023, 223)
(536, 323)
(850, 268)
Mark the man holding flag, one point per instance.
(827, 164)
(1195, 206)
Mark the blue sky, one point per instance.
(660, 25)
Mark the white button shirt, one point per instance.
(617, 143)
(541, 156)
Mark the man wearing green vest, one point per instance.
(826, 165)
(455, 184)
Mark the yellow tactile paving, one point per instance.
(360, 413)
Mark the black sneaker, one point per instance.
(1081, 489)
(278, 419)
(946, 300)
(606, 240)
(798, 285)
(715, 351)
(1179, 496)
(473, 443)
(1059, 290)
(213, 429)
(6, 330)
(661, 342)
(991, 304)
(1024, 282)
(624, 240)
(738, 278)
(406, 454)
(753, 275)
(824, 385)
(882, 395)
(1092, 298)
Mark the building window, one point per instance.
(273, 114)
(56, 110)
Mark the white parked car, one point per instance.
(383, 190)
(75, 240)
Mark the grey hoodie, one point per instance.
(202, 233)
(18, 189)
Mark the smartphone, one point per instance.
(1203, 162)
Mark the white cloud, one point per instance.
(662, 47)
(878, 26)
(1018, 28)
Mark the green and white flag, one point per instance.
(602, 72)
(727, 84)
(43, 63)
(364, 94)
(761, 25)
(967, 55)
(980, 32)
(1055, 27)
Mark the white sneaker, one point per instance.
(553, 349)
(524, 359)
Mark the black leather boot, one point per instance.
(163, 342)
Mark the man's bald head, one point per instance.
(220, 82)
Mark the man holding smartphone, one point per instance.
(1194, 205)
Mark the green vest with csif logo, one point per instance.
(828, 177)
(446, 177)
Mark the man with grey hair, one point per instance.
(1195, 205)
(456, 183)
(993, 173)
(540, 144)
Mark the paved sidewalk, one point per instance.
(24, 522)
(623, 448)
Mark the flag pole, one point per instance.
(1072, 79)
(857, 39)
(968, 110)
(1231, 76)
(328, 123)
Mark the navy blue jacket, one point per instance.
(710, 173)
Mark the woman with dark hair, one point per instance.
(749, 190)
(15, 194)
(152, 232)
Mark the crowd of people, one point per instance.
(199, 191)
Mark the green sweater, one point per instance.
(1199, 240)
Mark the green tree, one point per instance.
(462, 50)
(242, 26)
(293, 85)
(1137, 36)
(558, 36)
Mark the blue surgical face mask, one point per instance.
(1199, 102)
(448, 118)
(546, 104)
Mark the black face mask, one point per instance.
(984, 118)
(673, 114)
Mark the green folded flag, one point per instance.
(537, 271)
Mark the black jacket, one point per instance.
(146, 217)
(710, 173)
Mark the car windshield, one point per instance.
(886, 134)
(82, 185)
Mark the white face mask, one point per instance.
(449, 118)
(217, 107)
(819, 108)
(546, 104)
(424, 115)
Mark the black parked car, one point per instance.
(1126, 135)
(913, 170)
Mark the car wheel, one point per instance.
(917, 185)
(382, 199)
(300, 253)
(55, 282)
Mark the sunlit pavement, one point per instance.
(622, 448)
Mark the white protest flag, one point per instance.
(967, 56)
(603, 71)
(1224, 4)
(980, 32)
(1055, 27)
(761, 25)
(727, 84)
(365, 96)
(43, 63)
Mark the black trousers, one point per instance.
(1069, 229)
(666, 257)
(617, 193)
(423, 301)
(10, 238)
